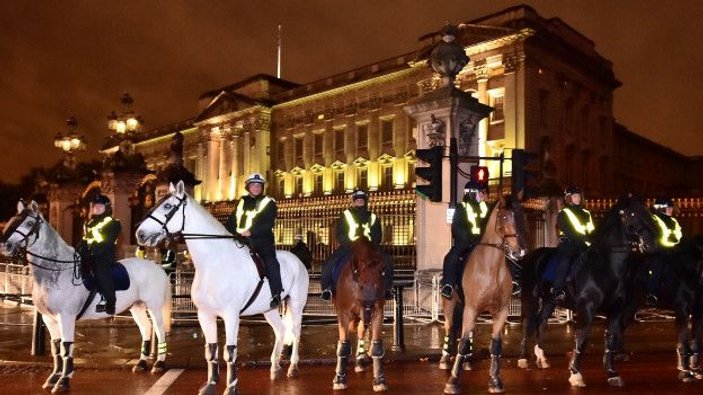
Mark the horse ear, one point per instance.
(180, 189)
(171, 188)
(20, 206)
(34, 206)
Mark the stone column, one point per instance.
(246, 150)
(119, 188)
(61, 198)
(482, 74)
(234, 180)
(213, 166)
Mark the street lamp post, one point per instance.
(70, 142)
(126, 122)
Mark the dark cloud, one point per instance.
(77, 57)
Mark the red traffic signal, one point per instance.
(479, 174)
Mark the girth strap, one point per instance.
(88, 301)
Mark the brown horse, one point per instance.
(359, 301)
(487, 286)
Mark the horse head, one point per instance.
(165, 219)
(22, 229)
(367, 271)
(510, 226)
(638, 226)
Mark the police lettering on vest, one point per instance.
(245, 218)
(472, 216)
(354, 226)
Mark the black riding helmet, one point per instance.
(104, 200)
(360, 194)
(472, 189)
(663, 203)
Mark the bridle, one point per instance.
(500, 231)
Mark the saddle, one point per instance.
(120, 279)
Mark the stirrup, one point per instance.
(447, 291)
(516, 288)
(652, 299)
(558, 294)
(326, 295)
(275, 301)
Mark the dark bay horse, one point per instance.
(601, 281)
(487, 286)
(359, 301)
(681, 290)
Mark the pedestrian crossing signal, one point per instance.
(479, 174)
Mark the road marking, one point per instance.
(164, 382)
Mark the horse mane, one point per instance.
(611, 219)
(363, 254)
(211, 220)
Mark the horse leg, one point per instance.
(362, 357)
(157, 318)
(585, 319)
(463, 349)
(612, 343)
(530, 308)
(449, 335)
(231, 333)
(293, 321)
(55, 334)
(142, 319)
(276, 323)
(67, 326)
(208, 324)
(495, 383)
(683, 351)
(696, 340)
(377, 353)
(343, 353)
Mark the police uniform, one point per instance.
(353, 223)
(98, 246)
(575, 227)
(257, 214)
(468, 221)
(670, 234)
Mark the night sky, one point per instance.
(61, 58)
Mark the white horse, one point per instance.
(59, 295)
(225, 281)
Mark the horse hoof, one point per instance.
(616, 381)
(339, 386)
(293, 371)
(63, 385)
(496, 389)
(444, 362)
(543, 364)
(522, 363)
(207, 389)
(140, 367)
(230, 391)
(159, 367)
(51, 381)
(381, 387)
(576, 380)
(275, 374)
(359, 368)
(697, 374)
(467, 365)
(687, 376)
(452, 389)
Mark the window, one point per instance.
(339, 140)
(318, 143)
(318, 184)
(387, 132)
(387, 178)
(298, 186)
(363, 180)
(339, 182)
(362, 136)
(497, 103)
(281, 150)
(298, 148)
(281, 186)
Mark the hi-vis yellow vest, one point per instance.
(249, 214)
(584, 229)
(667, 233)
(353, 225)
(94, 234)
(473, 216)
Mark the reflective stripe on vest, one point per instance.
(250, 214)
(94, 233)
(584, 229)
(667, 233)
(471, 216)
(353, 225)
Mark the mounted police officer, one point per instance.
(669, 237)
(354, 222)
(254, 218)
(100, 235)
(575, 227)
(468, 222)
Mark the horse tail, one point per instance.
(167, 308)
(288, 325)
(297, 297)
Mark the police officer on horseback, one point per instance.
(575, 227)
(669, 237)
(468, 223)
(253, 219)
(354, 222)
(100, 235)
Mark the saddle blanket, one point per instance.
(119, 275)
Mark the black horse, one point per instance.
(681, 290)
(597, 283)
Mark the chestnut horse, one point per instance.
(487, 286)
(359, 299)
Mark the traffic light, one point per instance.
(432, 174)
(523, 176)
(479, 174)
